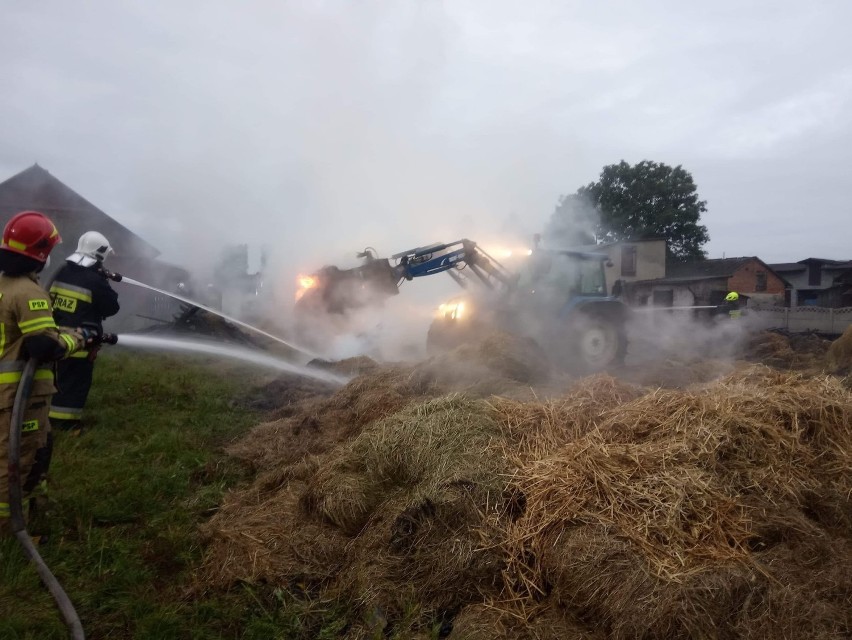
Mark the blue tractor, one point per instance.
(557, 297)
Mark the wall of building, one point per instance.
(685, 294)
(826, 294)
(650, 261)
(745, 280)
(797, 279)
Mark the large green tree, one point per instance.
(649, 199)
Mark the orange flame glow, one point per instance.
(305, 283)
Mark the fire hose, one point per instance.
(16, 510)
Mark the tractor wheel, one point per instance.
(598, 343)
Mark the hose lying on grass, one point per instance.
(72, 620)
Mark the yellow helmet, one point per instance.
(733, 296)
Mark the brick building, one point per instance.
(708, 281)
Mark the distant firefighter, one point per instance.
(82, 297)
(731, 306)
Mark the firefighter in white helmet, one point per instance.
(82, 297)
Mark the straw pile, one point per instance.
(670, 517)
(723, 510)
(840, 352)
(315, 425)
(303, 424)
(396, 505)
(284, 392)
(788, 351)
(356, 365)
(674, 373)
(500, 363)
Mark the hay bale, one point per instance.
(840, 352)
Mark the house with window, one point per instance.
(818, 282)
(632, 260)
(708, 282)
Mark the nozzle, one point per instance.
(110, 275)
(109, 338)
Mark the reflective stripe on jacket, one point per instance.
(26, 310)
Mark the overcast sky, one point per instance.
(322, 127)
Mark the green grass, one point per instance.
(126, 499)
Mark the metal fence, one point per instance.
(799, 319)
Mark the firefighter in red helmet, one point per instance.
(27, 330)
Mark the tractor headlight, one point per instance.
(305, 283)
(452, 310)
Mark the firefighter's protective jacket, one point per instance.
(25, 311)
(82, 296)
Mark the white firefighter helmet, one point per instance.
(93, 247)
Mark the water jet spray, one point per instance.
(245, 325)
(233, 353)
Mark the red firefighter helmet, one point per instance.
(31, 234)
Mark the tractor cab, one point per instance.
(554, 279)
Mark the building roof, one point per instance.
(787, 267)
(828, 263)
(637, 240)
(717, 268)
(35, 188)
(679, 280)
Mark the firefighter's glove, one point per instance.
(92, 334)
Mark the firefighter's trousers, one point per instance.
(35, 433)
(73, 379)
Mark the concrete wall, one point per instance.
(800, 319)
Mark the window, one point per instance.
(628, 260)
(814, 274)
(760, 281)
